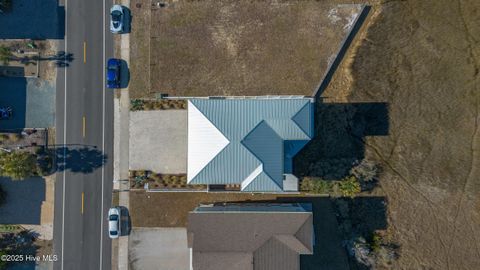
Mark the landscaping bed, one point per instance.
(157, 104)
(138, 179)
(27, 139)
(26, 154)
(334, 179)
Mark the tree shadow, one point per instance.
(83, 159)
(23, 244)
(24, 200)
(33, 19)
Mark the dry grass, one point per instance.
(235, 47)
(422, 58)
(162, 209)
(139, 65)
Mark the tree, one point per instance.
(5, 5)
(17, 165)
(5, 54)
(350, 186)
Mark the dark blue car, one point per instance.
(113, 73)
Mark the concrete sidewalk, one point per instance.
(121, 154)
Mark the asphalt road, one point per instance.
(84, 137)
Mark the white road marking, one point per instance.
(64, 135)
(103, 140)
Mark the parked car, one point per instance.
(113, 73)
(116, 19)
(5, 113)
(114, 222)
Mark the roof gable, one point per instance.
(205, 141)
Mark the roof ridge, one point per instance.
(256, 153)
(293, 119)
(292, 242)
(301, 229)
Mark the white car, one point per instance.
(114, 222)
(116, 19)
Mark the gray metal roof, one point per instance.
(257, 130)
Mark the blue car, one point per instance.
(113, 73)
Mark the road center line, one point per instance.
(83, 126)
(84, 52)
(83, 199)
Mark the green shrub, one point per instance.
(45, 166)
(375, 242)
(18, 165)
(158, 106)
(3, 137)
(349, 186)
(39, 150)
(156, 177)
(148, 106)
(14, 137)
(316, 185)
(136, 104)
(5, 52)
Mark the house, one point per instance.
(250, 236)
(247, 142)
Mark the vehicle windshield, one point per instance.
(112, 73)
(113, 232)
(114, 217)
(116, 15)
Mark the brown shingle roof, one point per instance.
(273, 238)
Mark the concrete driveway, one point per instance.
(159, 248)
(158, 141)
(32, 101)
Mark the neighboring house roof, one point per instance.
(246, 141)
(250, 236)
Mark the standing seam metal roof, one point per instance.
(256, 131)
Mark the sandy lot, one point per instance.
(422, 58)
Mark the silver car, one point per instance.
(116, 19)
(114, 222)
